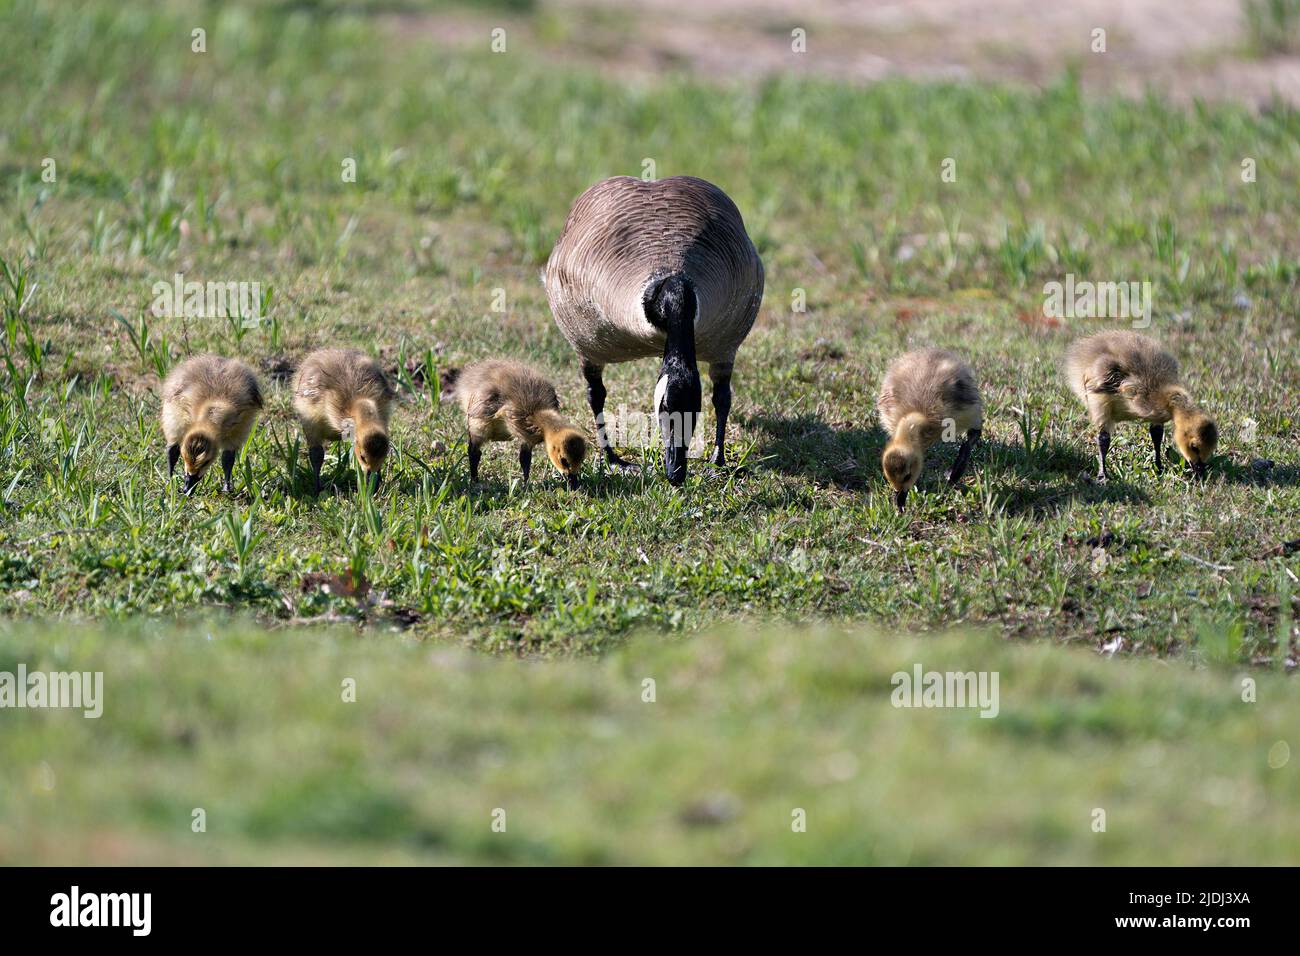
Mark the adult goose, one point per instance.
(657, 268)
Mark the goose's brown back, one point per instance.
(624, 233)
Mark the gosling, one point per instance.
(505, 400)
(343, 394)
(1122, 376)
(209, 405)
(927, 395)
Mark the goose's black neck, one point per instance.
(671, 305)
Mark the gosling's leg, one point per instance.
(526, 460)
(596, 398)
(1157, 439)
(173, 456)
(475, 455)
(963, 456)
(720, 375)
(316, 455)
(1103, 446)
(228, 467)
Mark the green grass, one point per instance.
(746, 727)
(770, 602)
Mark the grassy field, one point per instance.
(747, 727)
(227, 166)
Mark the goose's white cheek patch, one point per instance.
(661, 394)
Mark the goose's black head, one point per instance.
(671, 305)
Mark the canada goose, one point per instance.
(209, 404)
(927, 395)
(657, 268)
(343, 394)
(1122, 376)
(506, 400)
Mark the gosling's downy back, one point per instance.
(1124, 362)
(222, 391)
(932, 382)
(330, 383)
(509, 391)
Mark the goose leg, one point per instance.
(1157, 438)
(720, 375)
(596, 398)
(963, 456)
(1103, 446)
(525, 460)
(227, 466)
(316, 455)
(173, 456)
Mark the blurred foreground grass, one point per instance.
(746, 727)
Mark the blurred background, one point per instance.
(1215, 49)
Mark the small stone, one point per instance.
(711, 810)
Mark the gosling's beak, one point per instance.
(572, 481)
(900, 499)
(190, 481)
(1200, 469)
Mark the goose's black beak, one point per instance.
(1200, 469)
(679, 411)
(191, 481)
(675, 464)
(572, 482)
(900, 500)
